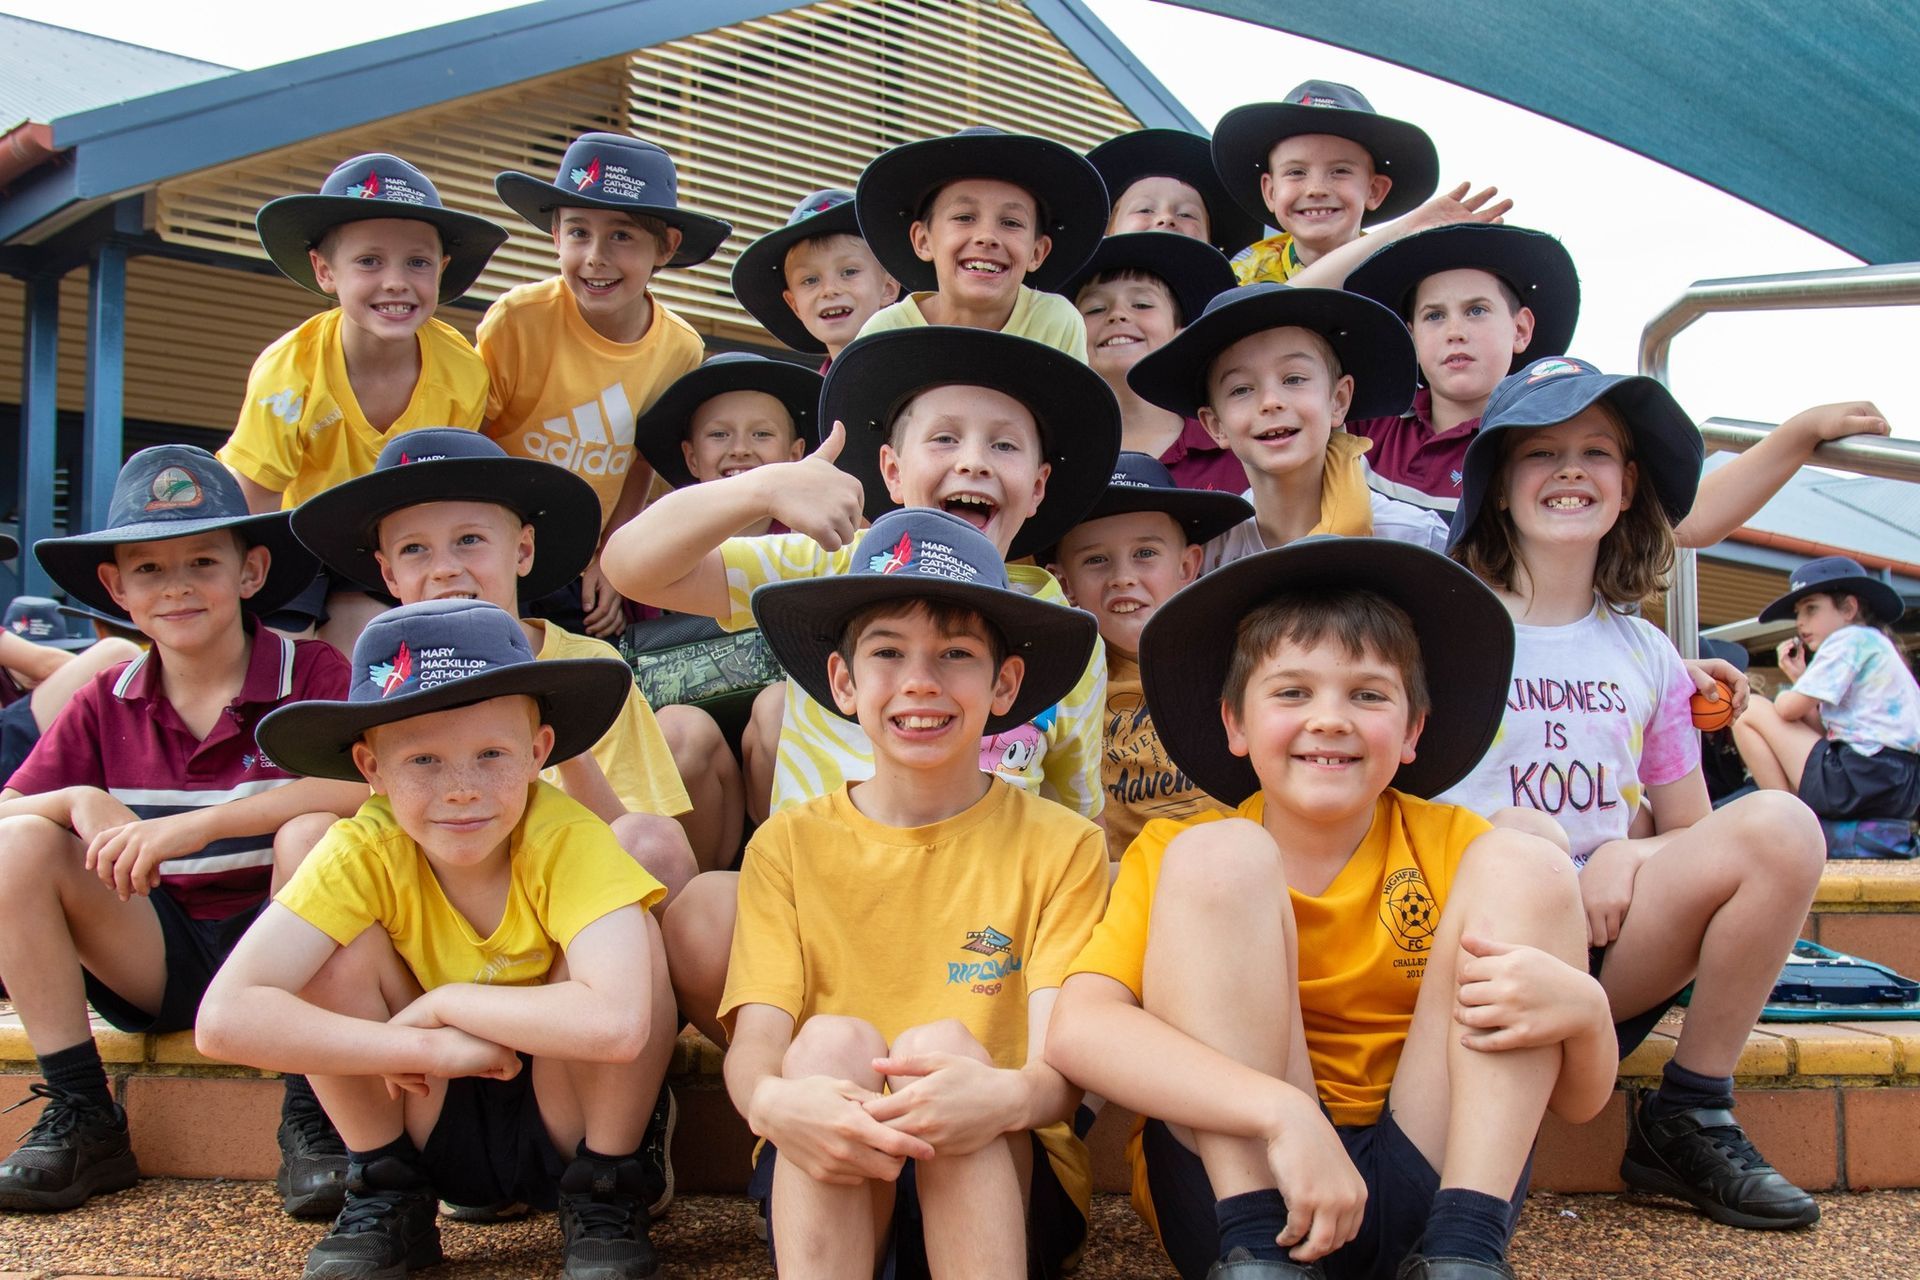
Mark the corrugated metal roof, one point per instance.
(1857, 513)
(47, 72)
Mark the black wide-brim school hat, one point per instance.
(1371, 343)
(1074, 408)
(1666, 443)
(1464, 632)
(760, 272)
(1185, 157)
(9, 546)
(341, 525)
(1534, 264)
(86, 615)
(896, 185)
(1844, 575)
(368, 187)
(918, 553)
(176, 491)
(434, 656)
(614, 171)
(1141, 482)
(1194, 272)
(659, 432)
(39, 619)
(1246, 136)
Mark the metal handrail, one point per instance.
(1891, 285)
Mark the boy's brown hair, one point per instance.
(1135, 275)
(952, 620)
(1359, 621)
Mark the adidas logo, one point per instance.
(593, 439)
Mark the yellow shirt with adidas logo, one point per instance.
(564, 394)
(1056, 755)
(301, 431)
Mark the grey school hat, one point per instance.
(1244, 140)
(659, 432)
(918, 553)
(614, 171)
(760, 272)
(435, 656)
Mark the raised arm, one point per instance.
(1731, 495)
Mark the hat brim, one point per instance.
(1666, 443)
(1464, 633)
(897, 182)
(760, 274)
(659, 432)
(1195, 273)
(1078, 417)
(73, 561)
(1534, 264)
(534, 200)
(1371, 343)
(1881, 600)
(1246, 136)
(9, 546)
(1203, 514)
(92, 614)
(291, 225)
(1184, 157)
(341, 525)
(803, 620)
(580, 698)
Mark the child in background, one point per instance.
(43, 667)
(1573, 485)
(1845, 736)
(1163, 180)
(813, 283)
(981, 251)
(575, 357)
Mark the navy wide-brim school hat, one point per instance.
(1074, 408)
(1841, 574)
(39, 619)
(368, 187)
(1535, 265)
(1245, 137)
(1464, 632)
(434, 656)
(341, 525)
(896, 185)
(1370, 342)
(760, 272)
(1185, 157)
(176, 491)
(659, 432)
(1194, 272)
(1666, 443)
(918, 553)
(614, 171)
(1141, 482)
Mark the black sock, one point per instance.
(1250, 1221)
(77, 1070)
(1684, 1090)
(1467, 1224)
(584, 1152)
(401, 1149)
(298, 1096)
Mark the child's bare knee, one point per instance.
(831, 1045)
(297, 837)
(660, 845)
(32, 852)
(698, 926)
(949, 1035)
(1221, 865)
(1532, 822)
(1777, 832)
(1524, 866)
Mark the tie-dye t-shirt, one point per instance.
(1596, 713)
(1867, 696)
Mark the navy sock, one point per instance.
(1467, 1224)
(77, 1070)
(298, 1096)
(1250, 1221)
(401, 1149)
(1684, 1090)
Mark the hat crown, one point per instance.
(1826, 569)
(435, 444)
(422, 646)
(1516, 386)
(817, 202)
(1140, 471)
(173, 482)
(1242, 293)
(35, 617)
(379, 176)
(922, 542)
(614, 166)
(1328, 93)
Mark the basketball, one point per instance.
(1709, 715)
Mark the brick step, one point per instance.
(1872, 910)
(1830, 1104)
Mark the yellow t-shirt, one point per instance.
(632, 753)
(1045, 317)
(301, 431)
(568, 871)
(1141, 781)
(902, 926)
(1274, 260)
(564, 394)
(1057, 754)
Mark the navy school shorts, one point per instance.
(195, 950)
(1839, 783)
(1631, 1031)
(490, 1145)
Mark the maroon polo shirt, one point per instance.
(120, 734)
(1196, 462)
(1407, 451)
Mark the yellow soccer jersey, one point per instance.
(632, 753)
(1274, 260)
(301, 431)
(1044, 317)
(1057, 754)
(566, 395)
(568, 871)
(902, 926)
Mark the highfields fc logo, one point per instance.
(1409, 911)
(173, 488)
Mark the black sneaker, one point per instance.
(386, 1229)
(1241, 1265)
(76, 1149)
(1702, 1156)
(313, 1163)
(485, 1215)
(603, 1219)
(656, 1152)
(1415, 1267)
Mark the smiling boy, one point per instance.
(813, 283)
(1163, 180)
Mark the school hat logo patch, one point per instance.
(391, 188)
(1554, 369)
(614, 181)
(391, 675)
(173, 488)
(584, 178)
(368, 190)
(926, 559)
